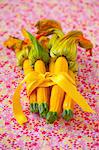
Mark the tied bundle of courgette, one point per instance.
(32, 57)
(64, 50)
(50, 66)
(67, 47)
(38, 58)
(63, 45)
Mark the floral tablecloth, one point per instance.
(81, 133)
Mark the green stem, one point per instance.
(43, 109)
(67, 114)
(34, 107)
(51, 117)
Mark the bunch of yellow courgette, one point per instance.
(52, 52)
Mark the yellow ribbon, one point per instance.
(45, 80)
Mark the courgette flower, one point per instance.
(37, 51)
(56, 35)
(22, 56)
(46, 24)
(13, 43)
(67, 46)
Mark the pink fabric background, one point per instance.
(81, 133)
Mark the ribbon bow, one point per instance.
(36, 79)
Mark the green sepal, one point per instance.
(67, 114)
(37, 51)
(34, 107)
(51, 117)
(22, 56)
(56, 34)
(73, 65)
(43, 109)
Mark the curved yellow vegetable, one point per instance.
(33, 97)
(68, 104)
(57, 94)
(42, 93)
(51, 65)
